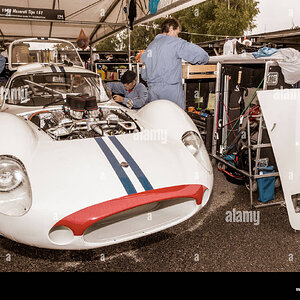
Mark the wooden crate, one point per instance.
(199, 71)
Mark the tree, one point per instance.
(210, 18)
(140, 37)
(219, 18)
(108, 44)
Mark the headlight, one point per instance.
(15, 190)
(195, 145)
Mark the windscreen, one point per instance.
(41, 89)
(43, 51)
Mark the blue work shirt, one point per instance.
(163, 66)
(138, 95)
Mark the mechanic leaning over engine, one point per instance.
(162, 69)
(128, 91)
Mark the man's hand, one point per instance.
(118, 98)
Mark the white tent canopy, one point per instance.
(99, 19)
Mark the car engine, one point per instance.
(81, 118)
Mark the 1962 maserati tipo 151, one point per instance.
(79, 171)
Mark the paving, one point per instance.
(214, 240)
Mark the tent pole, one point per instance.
(91, 58)
(129, 35)
(129, 49)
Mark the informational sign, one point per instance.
(31, 13)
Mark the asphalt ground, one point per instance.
(207, 242)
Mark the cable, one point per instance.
(38, 112)
(252, 109)
(253, 96)
(216, 35)
(193, 33)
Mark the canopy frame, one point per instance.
(84, 15)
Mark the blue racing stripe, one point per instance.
(62, 69)
(132, 163)
(53, 69)
(127, 184)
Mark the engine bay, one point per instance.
(80, 118)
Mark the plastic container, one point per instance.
(228, 48)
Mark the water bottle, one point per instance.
(228, 48)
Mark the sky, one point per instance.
(277, 15)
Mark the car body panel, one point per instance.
(281, 109)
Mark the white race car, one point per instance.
(79, 171)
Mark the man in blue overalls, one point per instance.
(162, 60)
(128, 91)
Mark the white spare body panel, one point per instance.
(281, 111)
